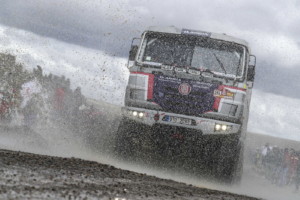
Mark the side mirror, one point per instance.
(251, 73)
(133, 52)
(251, 68)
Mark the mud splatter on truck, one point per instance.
(188, 93)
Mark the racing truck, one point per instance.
(188, 93)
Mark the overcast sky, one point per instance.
(86, 36)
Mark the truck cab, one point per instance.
(193, 81)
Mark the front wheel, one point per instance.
(128, 139)
(230, 163)
(219, 157)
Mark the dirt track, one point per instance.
(31, 176)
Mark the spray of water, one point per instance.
(52, 135)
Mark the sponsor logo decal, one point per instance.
(223, 94)
(184, 88)
(195, 32)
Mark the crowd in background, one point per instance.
(56, 99)
(40, 100)
(280, 166)
(36, 97)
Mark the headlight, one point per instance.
(141, 115)
(135, 113)
(222, 127)
(218, 127)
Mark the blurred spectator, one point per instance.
(274, 164)
(297, 177)
(278, 163)
(294, 160)
(31, 111)
(257, 159)
(264, 153)
(285, 167)
(5, 107)
(59, 99)
(78, 100)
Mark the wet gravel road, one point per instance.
(32, 176)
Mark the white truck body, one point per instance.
(191, 82)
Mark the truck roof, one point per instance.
(218, 36)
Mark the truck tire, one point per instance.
(122, 140)
(204, 153)
(230, 162)
(127, 140)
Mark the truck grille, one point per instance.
(195, 98)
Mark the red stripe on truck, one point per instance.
(218, 99)
(150, 86)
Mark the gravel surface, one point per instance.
(32, 176)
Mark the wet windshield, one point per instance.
(200, 53)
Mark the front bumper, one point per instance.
(152, 117)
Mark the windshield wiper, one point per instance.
(209, 71)
(199, 70)
(220, 63)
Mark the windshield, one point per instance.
(201, 53)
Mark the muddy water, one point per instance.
(59, 141)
